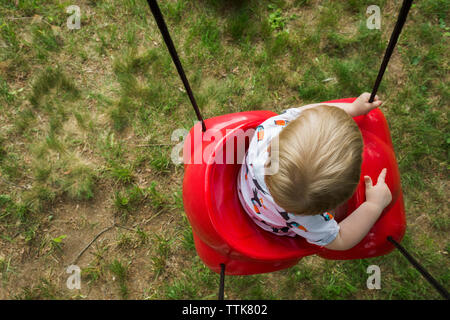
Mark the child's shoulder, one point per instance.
(258, 154)
(279, 121)
(290, 113)
(272, 126)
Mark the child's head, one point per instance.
(320, 156)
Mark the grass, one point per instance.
(120, 272)
(162, 251)
(87, 118)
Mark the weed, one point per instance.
(57, 243)
(127, 201)
(125, 241)
(45, 40)
(6, 269)
(157, 199)
(111, 148)
(160, 161)
(5, 94)
(276, 19)
(120, 272)
(121, 202)
(142, 236)
(79, 182)
(45, 289)
(39, 197)
(188, 238)
(122, 174)
(91, 273)
(162, 251)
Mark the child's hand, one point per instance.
(378, 194)
(362, 106)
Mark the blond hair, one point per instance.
(320, 156)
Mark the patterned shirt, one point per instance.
(255, 197)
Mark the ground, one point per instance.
(85, 138)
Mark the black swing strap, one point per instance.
(392, 42)
(173, 53)
(421, 269)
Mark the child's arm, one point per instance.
(355, 227)
(358, 107)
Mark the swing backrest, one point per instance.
(210, 194)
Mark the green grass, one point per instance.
(52, 79)
(87, 118)
(161, 254)
(43, 290)
(120, 272)
(127, 200)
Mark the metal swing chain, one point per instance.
(392, 42)
(173, 53)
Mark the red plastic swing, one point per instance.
(223, 232)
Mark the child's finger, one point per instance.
(372, 105)
(368, 182)
(365, 96)
(382, 176)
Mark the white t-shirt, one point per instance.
(255, 197)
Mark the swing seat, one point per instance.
(225, 234)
